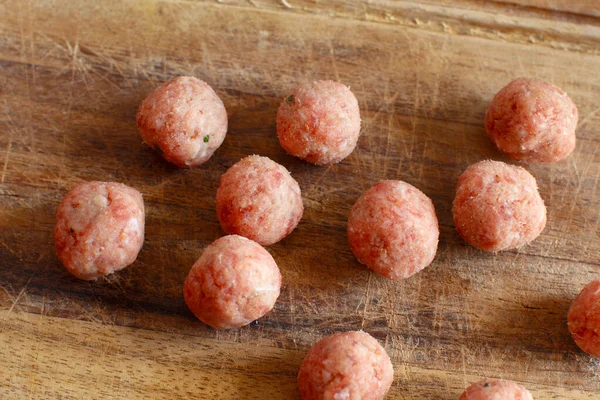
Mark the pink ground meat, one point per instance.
(319, 122)
(346, 366)
(533, 121)
(393, 229)
(258, 198)
(584, 319)
(99, 228)
(184, 120)
(234, 282)
(497, 206)
(495, 389)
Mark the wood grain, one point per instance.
(72, 74)
(589, 7)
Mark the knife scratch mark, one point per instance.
(391, 122)
(333, 61)
(21, 293)
(464, 365)
(366, 301)
(6, 161)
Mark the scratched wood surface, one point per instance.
(72, 73)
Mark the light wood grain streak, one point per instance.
(455, 18)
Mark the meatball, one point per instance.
(497, 206)
(533, 121)
(258, 198)
(319, 122)
(234, 282)
(584, 319)
(496, 389)
(184, 120)
(393, 229)
(99, 228)
(349, 366)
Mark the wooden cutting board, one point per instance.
(72, 74)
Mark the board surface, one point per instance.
(72, 74)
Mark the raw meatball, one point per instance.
(533, 121)
(348, 366)
(99, 228)
(319, 122)
(393, 229)
(497, 206)
(584, 319)
(495, 389)
(234, 282)
(258, 198)
(184, 120)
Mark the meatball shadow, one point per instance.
(322, 255)
(428, 391)
(278, 367)
(252, 130)
(449, 237)
(120, 155)
(145, 294)
(321, 239)
(28, 239)
(155, 162)
(539, 324)
(251, 127)
(119, 145)
(483, 149)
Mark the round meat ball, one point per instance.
(497, 206)
(347, 365)
(584, 319)
(184, 120)
(99, 228)
(319, 122)
(532, 121)
(393, 229)
(258, 198)
(496, 389)
(234, 282)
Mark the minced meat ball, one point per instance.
(99, 228)
(184, 121)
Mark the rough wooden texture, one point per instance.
(589, 7)
(72, 73)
